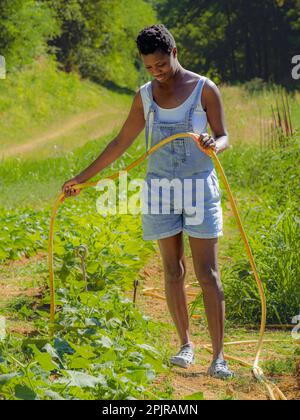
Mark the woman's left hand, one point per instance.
(205, 142)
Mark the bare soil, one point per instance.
(67, 127)
(194, 379)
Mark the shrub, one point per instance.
(278, 263)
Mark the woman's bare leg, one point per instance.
(172, 252)
(205, 254)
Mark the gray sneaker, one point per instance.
(219, 369)
(185, 357)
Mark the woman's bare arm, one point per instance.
(132, 127)
(212, 104)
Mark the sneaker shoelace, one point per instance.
(186, 352)
(221, 367)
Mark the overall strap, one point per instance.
(197, 100)
(149, 90)
(151, 116)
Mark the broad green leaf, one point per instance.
(23, 392)
(84, 380)
(7, 377)
(105, 342)
(79, 363)
(195, 396)
(149, 350)
(53, 395)
(46, 361)
(109, 356)
(84, 351)
(62, 346)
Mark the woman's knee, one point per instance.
(175, 270)
(209, 278)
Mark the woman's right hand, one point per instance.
(68, 190)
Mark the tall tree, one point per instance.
(235, 40)
(98, 37)
(25, 27)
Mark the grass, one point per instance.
(46, 97)
(17, 279)
(265, 185)
(278, 360)
(36, 182)
(243, 112)
(30, 183)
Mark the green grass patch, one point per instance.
(266, 186)
(40, 95)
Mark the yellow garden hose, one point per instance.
(258, 373)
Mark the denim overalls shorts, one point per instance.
(180, 160)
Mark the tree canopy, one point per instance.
(235, 40)
(229, 41)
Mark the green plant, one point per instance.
(277, 258)
(255, 85)
(279, 367)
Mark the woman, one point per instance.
(178, 101)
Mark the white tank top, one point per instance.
(177, 114)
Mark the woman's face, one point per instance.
(160, 65)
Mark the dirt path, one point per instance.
(65, 128)
(188, 381)
(14, 283)
(19, 279)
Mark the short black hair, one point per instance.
(155, 37)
